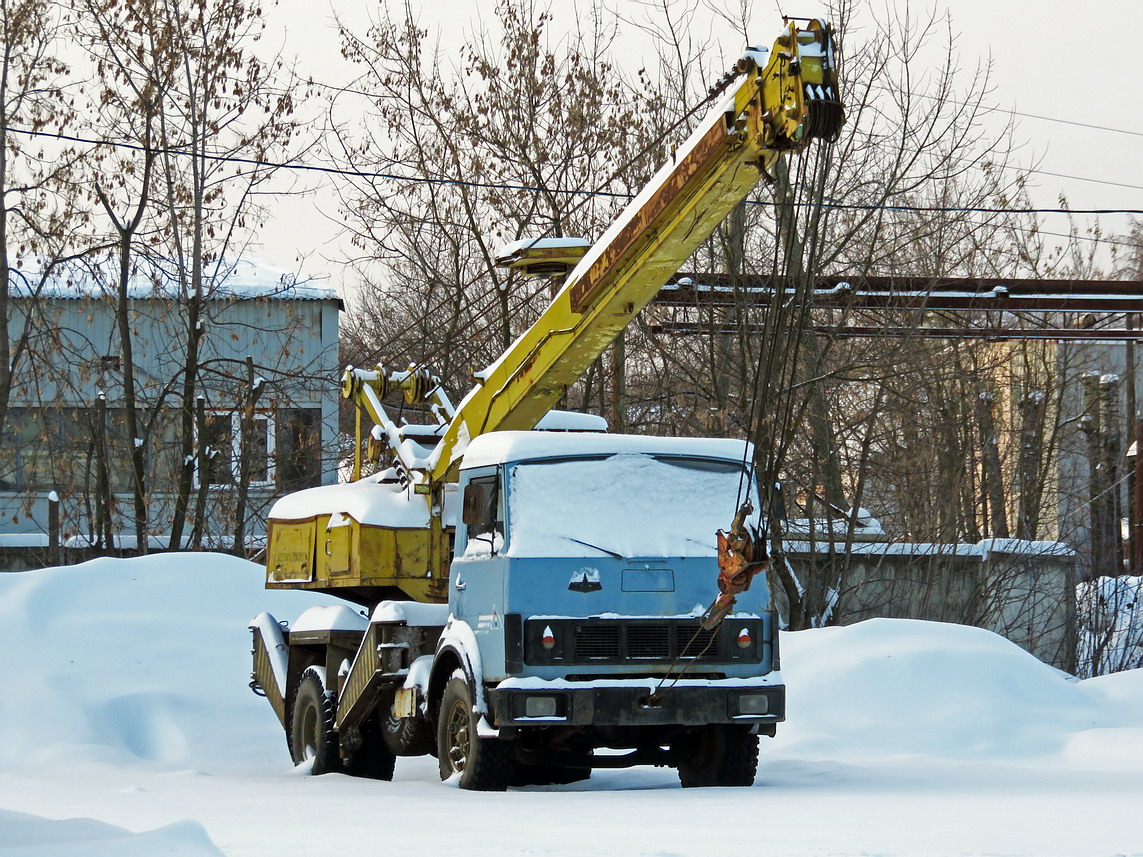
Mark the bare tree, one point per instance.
(40, 214)
(223, 123)
(506, 142)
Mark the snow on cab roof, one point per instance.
(504, 446)
(246, 279)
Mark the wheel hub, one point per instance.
(459, 739)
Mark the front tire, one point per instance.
(482, 764)
(718, 755)
(311, 724)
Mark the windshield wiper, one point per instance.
(597, 547)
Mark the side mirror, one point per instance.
(475, 504)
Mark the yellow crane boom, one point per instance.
(773, 102)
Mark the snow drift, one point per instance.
(890, 687)
(138, 662)
(127, 702)
(31, 836)
(146, 662)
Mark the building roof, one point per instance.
(245, 279)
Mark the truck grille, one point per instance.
(620, 640)
(648, 641)
(598, 642)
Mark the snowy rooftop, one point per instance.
(504, 446)
(244, 280)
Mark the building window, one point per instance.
(218, 443)
(222, 439)
(299, 448)
(46, 448)
(60, 447)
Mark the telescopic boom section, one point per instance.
(771, 102)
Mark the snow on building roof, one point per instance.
(504, 446)
(246, 279)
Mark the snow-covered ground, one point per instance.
(127, 728)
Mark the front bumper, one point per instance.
(543, 703)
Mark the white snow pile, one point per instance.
(137, 663)
(127, 727)
(898, 687)
(31, 836)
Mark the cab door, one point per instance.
(477, 574)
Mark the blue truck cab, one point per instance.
(582, 564)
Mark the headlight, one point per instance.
(753, 704)
(540, 706)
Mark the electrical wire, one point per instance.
(451, 182)
(1088, 125)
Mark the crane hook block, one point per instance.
(741, 555)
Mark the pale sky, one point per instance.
(1059, 60)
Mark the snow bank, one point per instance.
(144, 663)
(894, 687)
(32, 836)
(128, 703)
(141, 662)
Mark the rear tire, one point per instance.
(311, 723)
(718, 755)
(406, 736)
(373, 759)
(483, 764)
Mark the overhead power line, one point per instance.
(451, 182)
(998, 109)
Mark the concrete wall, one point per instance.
(1024, 591)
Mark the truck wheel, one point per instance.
(373, 759)
(483, 764)
(311, 723)
(718, 755)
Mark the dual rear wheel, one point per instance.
(311, 736)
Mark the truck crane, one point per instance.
(534, 587)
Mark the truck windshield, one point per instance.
(633, 505)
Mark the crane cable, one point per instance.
(778, 351)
